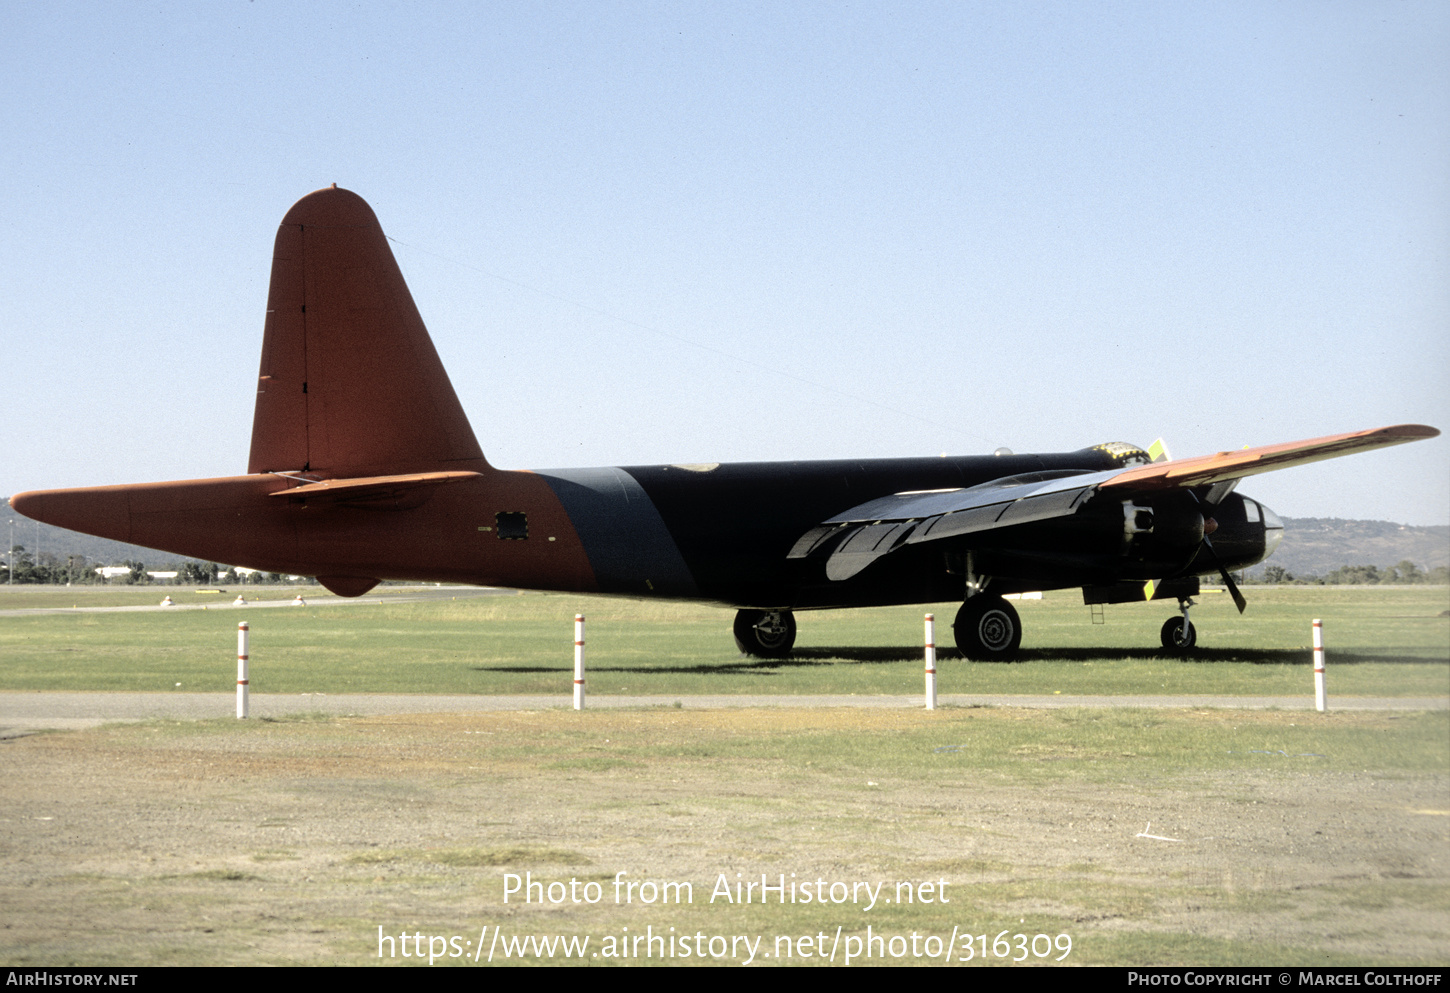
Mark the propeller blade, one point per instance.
(1210, 525)
(1233, 589)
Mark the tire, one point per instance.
(766, 634)
(987, 629)
(1173, 637)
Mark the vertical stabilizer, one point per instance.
(350, 384)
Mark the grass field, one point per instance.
(1146, 836)
(1275, 839)
(1387, 641)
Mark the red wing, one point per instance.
(1250, 461)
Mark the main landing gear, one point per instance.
(766, 634)
(987, 629)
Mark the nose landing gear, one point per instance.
(1178, 634)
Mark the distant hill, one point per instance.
(1316, 546)
(1312, 546)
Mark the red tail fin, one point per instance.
(350, 383)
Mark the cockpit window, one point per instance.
(1125, 454)
(1251, 512)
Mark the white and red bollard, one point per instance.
(1321, 701)
(578, 661)
(242, 687)
(930, 661)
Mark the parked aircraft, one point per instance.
(364, 467)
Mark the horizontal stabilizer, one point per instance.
(376, 492)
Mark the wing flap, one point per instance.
(878, 527)
(1058, 500)
(813, 539)
(865, 546)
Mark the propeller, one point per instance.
(1228, 580)
(1208, 503)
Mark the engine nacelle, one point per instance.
(1245, 533)
(1162, 534)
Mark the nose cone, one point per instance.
(1247, 532)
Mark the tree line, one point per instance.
(77, 570)
(1405, 573)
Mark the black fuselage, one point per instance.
(723, 532)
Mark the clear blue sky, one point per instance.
(683, 232)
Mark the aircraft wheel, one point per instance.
(1179, 635)
(987, 629)
(766, 634)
